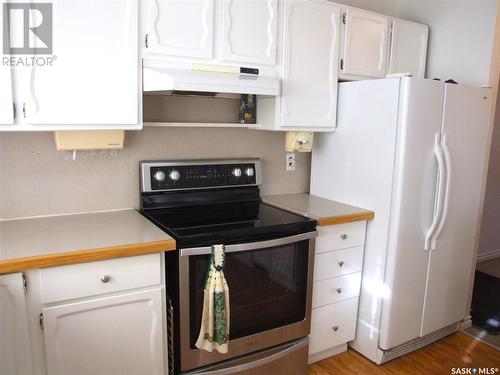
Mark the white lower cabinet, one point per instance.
(337, 279)
(112, 335)
(105, 317)
(15, 353)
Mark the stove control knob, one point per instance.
(159, 176)
(174, 175)
(236, 172)
(249, 172)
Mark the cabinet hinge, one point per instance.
(344, 18)
(25, 284)
(341, 64)
(146, 40)
(41, 321)
(24, 110)
(14, 111)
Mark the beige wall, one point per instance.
(37, 180)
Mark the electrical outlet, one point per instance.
(290, 161)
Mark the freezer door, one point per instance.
(412, 211)
(465, 133)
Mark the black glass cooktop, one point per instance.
(227, 223)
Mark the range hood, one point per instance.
(208, 80)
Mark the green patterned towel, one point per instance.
(214, 331)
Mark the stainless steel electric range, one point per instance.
(269, 263)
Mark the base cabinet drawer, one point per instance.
(338, 262)
(340, 236)
(332, 325)
(336, 289)
(95, 278)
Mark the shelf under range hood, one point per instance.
(165, 80)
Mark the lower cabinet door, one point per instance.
(332, 325)
(112, 335)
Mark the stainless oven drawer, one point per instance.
(289, 358)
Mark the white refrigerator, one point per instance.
(415, 152)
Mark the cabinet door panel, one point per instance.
(6, 100)
(112, 335)
(408, 48)
(249, 31)
(95, 76)
(310, 56)
(15, 354)
(181, 27)
(366, 41)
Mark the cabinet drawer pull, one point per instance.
(341, 263)
(105, 278)
(335, 328)
(338, 290)
(343, 236)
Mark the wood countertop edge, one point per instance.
(349, 218)
(82, 256)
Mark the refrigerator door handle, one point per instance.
(447, 162)
(437, 213)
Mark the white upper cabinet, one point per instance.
(408, 48)
(95, 77)
(310, 65)
(6, 100)
(15, 352)
(249, 31)
(180, 28)
(366, 43)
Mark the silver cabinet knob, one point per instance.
(343, 236)
(338, 290)
(341, 263)
(105, 278)
(335, 328)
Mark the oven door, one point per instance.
(270, 291)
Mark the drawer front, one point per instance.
(340, 236)
(332, 325)
(337, 263)
(336, 289)
(94, 278)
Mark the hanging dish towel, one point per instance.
(214, 331)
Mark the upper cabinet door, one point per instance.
(6, 100)
(249, 31)
(310, 60)
(180, 27)
(366, 42)
(408, 48)
(94, 76)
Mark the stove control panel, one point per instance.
(184, 175)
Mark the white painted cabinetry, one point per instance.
(179, 28)
(92, 78)
(309, 69)
(337, 280)
(15, 352)
(249, 31)
(105, 317)
(408, 48)
(365, 44)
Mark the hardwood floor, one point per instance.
(457, 350)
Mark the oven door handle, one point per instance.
(251, 245)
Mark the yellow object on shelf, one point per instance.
(89, 140)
